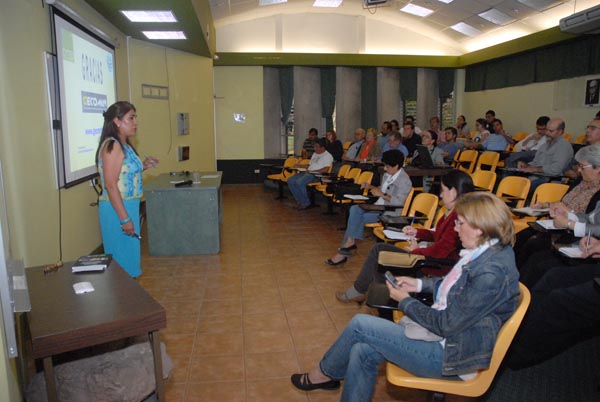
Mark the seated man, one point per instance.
(410, 138)
(564, 310)
(309, 143)
(592, 136)
(449, 147)
(552, 158)
(353, 152)
(319, 163)
(394, 141)
(386, 129)
(525, 149)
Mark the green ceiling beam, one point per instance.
(529, 42)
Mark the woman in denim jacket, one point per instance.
(471, 303)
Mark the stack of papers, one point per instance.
(547, 224)
(394, 235)
(573, 252)
(92, 263)
(532, 211)
(356, 197)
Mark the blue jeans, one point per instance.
(297, 185)
(368, 341)
(358, 217)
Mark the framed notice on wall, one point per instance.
(592, 92)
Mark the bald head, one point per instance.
(555, 128)
(359, 134)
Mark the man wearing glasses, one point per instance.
(592, 136)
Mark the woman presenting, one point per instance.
(120, 171)
(471, 303)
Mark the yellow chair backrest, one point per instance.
(580, 139)
(567, 136)
(489, 159)
(344, 169)
(478, 385)
(441, 211)
(407, 202)
(353, 174)
(290, 162)
(514, 186)
(424, 204)
(365, 177)
(549, 192)
(347, 145)
(484, 179)
(520, 135)
(467, 160)
(455, 161)
(305, 162)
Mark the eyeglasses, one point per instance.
(590, 127)
(582, 167)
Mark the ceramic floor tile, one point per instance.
(216, 392)
(267, 341)
(270, 365)
(224, 307)
(220, 324)
(274, 390)
(216, 368)
(218, 344)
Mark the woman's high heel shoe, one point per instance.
(348, 249)
(334, 263)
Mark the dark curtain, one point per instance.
(562, 61)
(286, 91)
(445, 82)
(408, 84)
(368, 112)
(328, 95)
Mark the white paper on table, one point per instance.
(573, 252)
(209, 176)
(394, 235)
(532, 211)
(356, 197)
(547, 224)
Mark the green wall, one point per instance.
(35, 207)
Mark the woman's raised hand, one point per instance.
(150, 162)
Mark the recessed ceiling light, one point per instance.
(466, 29)
(446, 1)
(416, 10)
(496, 17)
(327, 3)
(164, 34)
(149, 16)
(269, 2)
(540, 5)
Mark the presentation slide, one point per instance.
(86, 71)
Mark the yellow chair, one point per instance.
(286, 171)
(351, 175)
(514, 189)
(364, 178)
(475, 386)
(343, 170)
(567, 136)
(484, 179)
(404, 211)
(580, 140)
(347, 145)
(520, 136)
(423, 205)
(488, 158)
(456, 160)
(467, 160)
(545, 193)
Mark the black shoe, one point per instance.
(301, 381)
(348, 249)
(333, 263)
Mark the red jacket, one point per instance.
(446, 243)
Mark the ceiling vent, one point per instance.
(583, 22)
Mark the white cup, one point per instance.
(196, 177)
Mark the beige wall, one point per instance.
(239, 90)
(519, 107)
(35, 207)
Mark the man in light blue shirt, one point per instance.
(496, 141)
(394, 141)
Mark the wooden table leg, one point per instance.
(50, 380)
(158, 375)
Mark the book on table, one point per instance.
(92, 263)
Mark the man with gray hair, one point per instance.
(353, 151)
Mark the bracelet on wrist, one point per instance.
(124, 221)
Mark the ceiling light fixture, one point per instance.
(496, 17)
(161, 35)
(416, 10)
(149, 16)
(446, 1)
(540, 5)
(327, 3)
(466, 29)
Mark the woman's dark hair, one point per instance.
(458, 180)
(393, 157)
(464, 120)
(110, 129)
(434, 136)
(482, 122)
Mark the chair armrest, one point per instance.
(399, 260)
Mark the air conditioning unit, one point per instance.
(583, 22)
(369, 3)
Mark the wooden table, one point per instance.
(62, 321)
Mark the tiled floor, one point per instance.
(239, 323)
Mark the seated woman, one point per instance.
(471, 304)
(429, 139)
(395, 186)
(480, 135)
(579, 200)
(445, 239)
